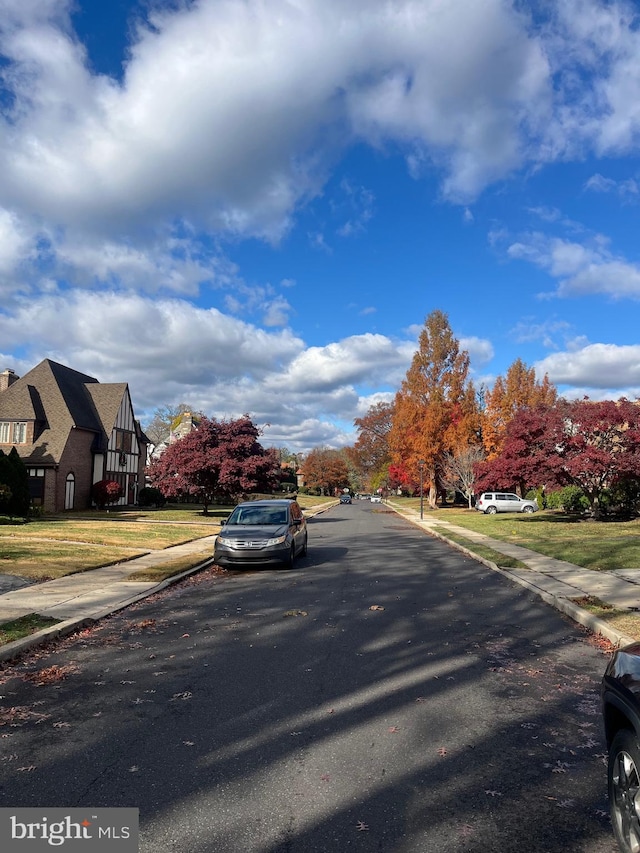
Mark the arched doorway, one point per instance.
(69, 491)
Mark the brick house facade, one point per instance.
(71, 431)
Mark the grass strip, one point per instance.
(166, 570)
(499, 559)
(621, 620)
(24, 627)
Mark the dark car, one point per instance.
(621, 712)
(345, 499)
(262, 532)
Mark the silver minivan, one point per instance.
(492, 502)
(262, 532)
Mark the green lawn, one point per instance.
(596, 545)
(55, 546)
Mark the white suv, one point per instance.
(492, 502)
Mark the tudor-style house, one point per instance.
(71, 431)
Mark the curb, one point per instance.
(12, 650)
(63, 629)
(564, 605)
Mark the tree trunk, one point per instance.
(432, 497)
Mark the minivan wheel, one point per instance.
(528, 509)
(292, 556)
(624, 790)
(491, 510)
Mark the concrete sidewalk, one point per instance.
(83, 598)
(557, 582)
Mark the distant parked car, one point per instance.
(621, 712)
(492, 502)
(376, 499)
(262, 532)
(345, 499)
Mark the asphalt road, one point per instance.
(388, 694)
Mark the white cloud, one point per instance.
(124, 335)
(221, 105)
(354, 360)
(546, 332)
(627, 189)
(16, 242)
(581, 269)
(480, 349)
(604, 367)
(171, 351)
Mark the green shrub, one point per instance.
(624, 497)
(568, 499)
(148, 496)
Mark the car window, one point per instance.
(513, 498)
(258, 515)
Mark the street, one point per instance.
(387, 694)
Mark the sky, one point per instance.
(251, 206)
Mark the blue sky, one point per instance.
(252, 206)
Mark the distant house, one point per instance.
(182, 425)
(185, 423)
(71, 431)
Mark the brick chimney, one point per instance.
(7, 378)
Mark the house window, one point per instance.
(123, 441)
(13, 433)
(36, 486)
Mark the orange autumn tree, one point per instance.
(518, 390)
(370, 454)
(435, 409)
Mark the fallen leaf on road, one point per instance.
(361, 827)
(442, 751)
(376, 607)
(296, 613)
(393, 729)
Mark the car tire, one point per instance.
(624, 790)
(528, 509)
(491, 510)
(292, 557)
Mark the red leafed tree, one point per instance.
(399, 477)
(220, 459)
(582, 443)
(106, 492)
(519, 389)
(529, 456)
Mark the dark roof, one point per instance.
(60, 399)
